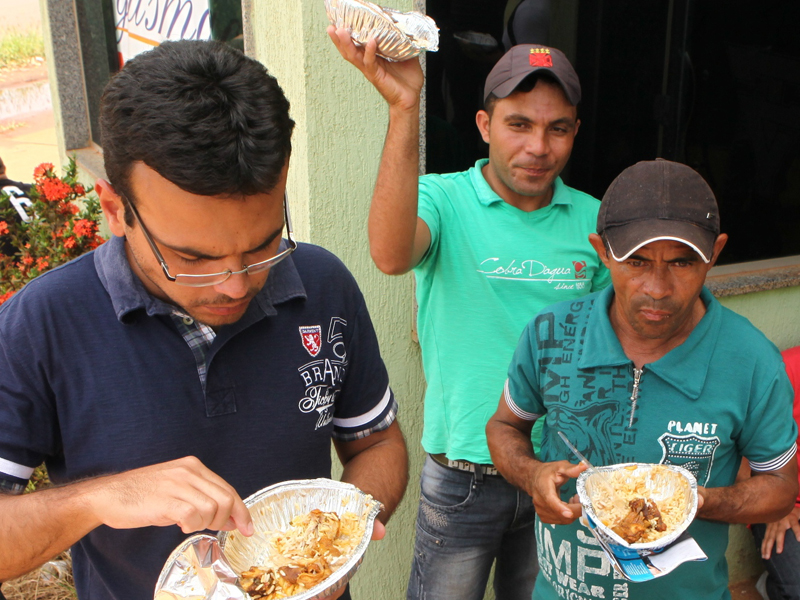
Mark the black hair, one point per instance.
(525, 86)
(2, 166)
(202, 115)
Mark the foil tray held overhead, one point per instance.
(205, 567)
(400, 36)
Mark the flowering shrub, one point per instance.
(59, 230)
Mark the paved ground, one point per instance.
(19, 13)
(26, 139)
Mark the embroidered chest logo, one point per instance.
(312, 339)
(580, 269)
(322, 378)
(692, 452)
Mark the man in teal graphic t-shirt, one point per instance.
(490, 247)
(653, 370)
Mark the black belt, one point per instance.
(465, 465)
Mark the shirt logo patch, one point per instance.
(580, 269)
(312, 339)
(540, 57)
(692, 452)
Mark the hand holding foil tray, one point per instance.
(400, 36)
(206, 567)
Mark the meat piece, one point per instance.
(644, 515)
(632, 527)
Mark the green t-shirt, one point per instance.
(720, 395)
(489, 269)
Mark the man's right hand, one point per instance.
(400, 83)
(545, 488)
(182, 492)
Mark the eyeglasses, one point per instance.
(206, 279)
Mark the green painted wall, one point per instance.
(777, 314)
(341, 123)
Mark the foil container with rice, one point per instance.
(400, 36)
(640, 513)
(310, 539)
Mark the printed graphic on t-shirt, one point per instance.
(532, 270)
(569, 564)
(693, 452)
(323, 377)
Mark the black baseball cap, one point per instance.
(525, 59)
(658, 200)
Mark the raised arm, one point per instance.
(38, 526)
(398, 239)
(766, 496)
(510, 445)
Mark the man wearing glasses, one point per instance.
(196, 357)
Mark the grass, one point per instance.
(19, 47)
(11, 126)
(51, 582)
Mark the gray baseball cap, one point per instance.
(525, 59)
(658, 200)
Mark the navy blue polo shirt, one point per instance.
(95, 378)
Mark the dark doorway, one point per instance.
(711, 83)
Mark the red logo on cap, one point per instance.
(540, 57)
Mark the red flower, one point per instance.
(27, 260)
(6, 296)
(83, 228)
(67, 208)
(42, 170)
(42, 264)
(79, 190)
(54, 189)
(70, 242)
(3, 228)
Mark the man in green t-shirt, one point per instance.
(652, 370)
(490, 247)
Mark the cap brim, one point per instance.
(506, 88)
(624, 240)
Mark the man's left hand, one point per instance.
(776, 532)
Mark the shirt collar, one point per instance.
(685, 367)
(487, 196)
(129, 295)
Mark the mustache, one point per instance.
(666, 305)
(222, 299)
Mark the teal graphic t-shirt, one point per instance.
(703, 406)
(490, 268)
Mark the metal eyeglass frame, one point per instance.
(224, 275)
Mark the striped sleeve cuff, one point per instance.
(342, 428)
(775, 463)
(522, 414)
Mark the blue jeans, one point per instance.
(783, 581)
(465, 523)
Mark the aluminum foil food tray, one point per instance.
(661, 488)
(205, 567)
(400, 36)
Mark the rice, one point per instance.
(611, 493)
(308, 552)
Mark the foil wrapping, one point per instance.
(400, 36)
(663, 482)
(213, 575)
